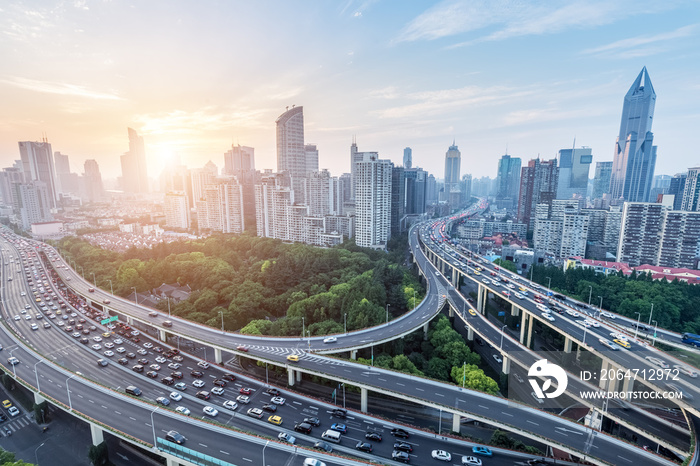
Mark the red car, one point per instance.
(242, 348)
(246, 391)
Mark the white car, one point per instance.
(175, 396)
(198, 383)
(35, 327)
(109, 353)
(203, 364)
(109, 345)
(97, 339)
(232, 405)
(118, 341)
(548, 316)
(121, 350)
(619, 336)
(330, 340)
(211, 411)
(17, 317)
(243, 399)
(593, 323)
(278, 400)
(471, 460)
(497, 358)
(285, 437)
(148, 345)
(659, 362)
(441, 455)
(217, 391)
(183, 410)
(97, 347)
(161, 360)
(313, 462)
(685, 370)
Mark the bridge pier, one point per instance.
(456, 423)
(217, 356)
(568, 343)
(455, 278)
(171, 462)
(363, 400)
(627, 384)
(514, 310)
(603, 383)
(161, 335)
(425, 331)
(451, 311)
(353, 355)
(470, 334)
(290, 376)
(38, 399)
(129, 320)
(523, 324)
(97, 434)
(505, 368)
(530, 323)
(298, 376)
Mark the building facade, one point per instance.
(372, 202)
(38, 165)
(177, 210)
(134, 172)
(574, 166)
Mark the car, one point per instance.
(340, 413)
(314, 421)
(242, 348)
(197, 374)
(47, 325)
(217, 391)
(163, 400)
(497, 358)
(685, 370)
(219, 383)
(211, 411)
(175, 436)
(175, 396)
(121, 350)
(109, 353)
(243, 399)
(608, 343)
(148, 345)
(278, 400)
(97, 339)
(144, 361)
(339, 428)
(441, 455)
(276, 420)
(142, 352)
(117, 341)
(273, 392)
(13, 411)
(232, 405)
(285, 437)
(330, 340)
(656, 361)
(323, 446)
(161, 360)
(183, 410)
(202, 364)
(313, 462)
(269, 407)
(471, 460)
(96, 347)
(548, 316)
(364, 446)
(176, 375)
(624, 344)
(152, 374)
(245, 391)
(35, 327)
(402, 456)
(229, 377)
(198, 383)
(17, 317)
(180, 386)
(155, 367)
(123, 361)
(293, 358)
(481, 450)
(174, 366)
(153, 314)
(396, 432)
(178, 358)
(255, 412)
(375, 436)
(403, 446)
(6, 404)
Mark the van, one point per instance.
(133, 390)
(168, 323)
(331, 436)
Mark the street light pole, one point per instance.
(94, 280)
(263, 455)
(600, 306)
(36, 453)
(82, 272)
(549, 283)
(500, 347)
(656, 325)
(590, 294)
(70, 405)
(345, 323)
(464, 373)
(153, 425)
(636, 329)
(37, 375)
(387, 313)
(222, 319)
(303, 327)
(168, 298)
(111, 287)
(651, 313)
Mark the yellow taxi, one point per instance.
(276, 420)
(472, 312)
(622, 343)
(293, 358)
(7, 404)
(106, 334)
(477, 273)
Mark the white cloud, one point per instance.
(628, 46)
(59, 88)
(204, 120)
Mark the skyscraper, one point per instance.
(452, 175)
(291, 153)
(677, 187)
(574, 165)
(691, 191)
(311, 155)
(635, 155)
(92, 182)
(373, 202)
(538, 185)
(239, 158)
(33, 203)
(508, 181)
(416, 190)
(356, 157)
(601, 179)
(398, 198)
(221, 208)
(37, 165)
(62, 166)
(134, 171)
(177, 210)
(407, 157)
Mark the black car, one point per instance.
(229, 377)
(323, 446)
(84, 341)
(314, 421)
(400, 456)
(340, 413)
(376, 436)
(174, 436)
(364, 446)
(152, 374)
(144, 361)
(304, 427)
(272, 391)
(130, 355)
(219, 383)
(403, 446)
(176, 375)
(167, 380)
(270, 407)
(123, 361)
(203, 394)
(197, 374)
(399, 433)
(137, 368)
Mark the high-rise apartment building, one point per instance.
(680, 240)
(355, 157)
(560, 228)
(466, 188)
(8, 177)
(416, 187)
(398, 198)
(33, 203)
(453, 159)
(62, 166)
(538, 185)
(676, 187)
(372, 202)
(640, 231)
(311, 154)
(574, 165)
(134, 171)
(635, 155)
(601, 179)
(221, 207)
(199, 179)
(291, 151)
(38, 165)
(508, 181)
(691, 190)
(318, 191)
(407, 157)
(177, 210)
(92, 182)
(659, 187)
(239, 158)
(431, 191)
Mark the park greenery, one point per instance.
(443, 356)
(676, 303)
(7, 458)
(261, 286)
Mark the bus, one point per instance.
(691, 339)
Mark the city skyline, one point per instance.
(525, 80)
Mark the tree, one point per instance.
(473, 377)
(98, 454)
(506, 264)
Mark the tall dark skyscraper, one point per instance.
(407, 157)
(508, 181)
(453, 159)
(635, 155)
(538, 185)
(601, 179)
(134, 172)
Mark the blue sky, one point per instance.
(193, 77)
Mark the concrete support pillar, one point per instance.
(171, 462)
(480, 298)
(353, 355)
(290, 376)
(363, 400)
(298, 376)
(602, 382)
(455, 278)
(456, 422)
(627, 385)
(217, 356)
(97, 434)
(506, 365)
(568, 343)
(530, 325)
(38, 398)
(129, 320)
(161, 335)
(514, 310)
(425, 331)
(451, 311)
(523, 324)
(484, 300)
(470, 334)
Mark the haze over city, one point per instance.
(192, 78)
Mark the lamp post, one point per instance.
(111, 287)
(263, 455)
(656, 325)
(94, 280)
(636, 329)
(153, 425)
(168, 298)
(70, 405)
(414, 299)
(464, 373)
(651, 313)
(549, 283)
(222, 319)
(36, 453)
(345, 323)
(387, 313)
(37, 375)
(303, 327)
(600, 305)
(82, 271)
(500, 347)
(590, 294)
(136, 295)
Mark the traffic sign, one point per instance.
(111, 319)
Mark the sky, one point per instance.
(523, 77)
